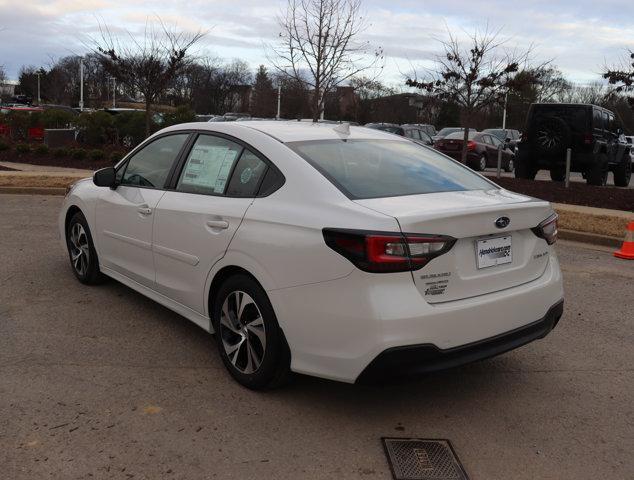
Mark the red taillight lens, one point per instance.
(547, 229)
(471, 145)
(381, 252)
(587, 138)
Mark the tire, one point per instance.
(552, 135)
(557, 174)
(623, 172)
(510, 165)
(598, 174)
(524, 167)
(482, 163)
(252, 347)
(81, 251)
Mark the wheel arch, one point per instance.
(72, 210)
(218, 279)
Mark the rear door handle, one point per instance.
(144, 210)
(221, 224)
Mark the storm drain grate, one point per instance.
(421, 459)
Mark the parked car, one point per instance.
(447, 130)
(482, 150)
(592, 133)
(509, 136)
(425, 127)
(413, 132)
(342, 252)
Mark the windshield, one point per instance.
(387, 168)
(501, 134)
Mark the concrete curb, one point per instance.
(593, 238)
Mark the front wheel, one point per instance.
(250, 341)
(81, 251)
(509, 166)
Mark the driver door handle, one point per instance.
(144, 210)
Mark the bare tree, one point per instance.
(623, 77)
(148, 65)
(473, 75)
(319, 45)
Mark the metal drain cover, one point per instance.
(423, 459)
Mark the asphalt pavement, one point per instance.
(100, 382)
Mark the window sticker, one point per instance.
(209, 167)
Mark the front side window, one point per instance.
(209, 165)
(386, 168)
(150, 166)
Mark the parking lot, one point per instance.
(100, 382)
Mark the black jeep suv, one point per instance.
(592, 133)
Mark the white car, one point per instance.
(342, 252)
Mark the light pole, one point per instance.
(39, 98)
(81, 84)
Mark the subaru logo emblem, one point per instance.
(502, 222)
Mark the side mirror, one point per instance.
(507, 140)
(106, 177)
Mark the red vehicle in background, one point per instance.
(482, 150)
(32, 133)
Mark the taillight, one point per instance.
(587, 138)
(381, 252)
(471, 145)
(547, 229)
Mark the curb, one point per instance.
(33, 190)
(592, 238)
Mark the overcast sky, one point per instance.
(578, 35)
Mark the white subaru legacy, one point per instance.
(342, 252)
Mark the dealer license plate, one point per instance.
(494, 251)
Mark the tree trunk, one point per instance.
(316, 104)
(148, 117)
(465, 142)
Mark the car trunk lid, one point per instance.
(474, 266)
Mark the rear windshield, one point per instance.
(387, 168)
(448, 130)
(575, 116)
(460, 135)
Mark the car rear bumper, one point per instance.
(336, 329)
(426, 358)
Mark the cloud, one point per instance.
(579, 37)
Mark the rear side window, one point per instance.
(247, 176)
(387, 168)
(150, 166)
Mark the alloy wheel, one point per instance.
(510, 166)
(79, 249)
(242, 332)
(483, 163)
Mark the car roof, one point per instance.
(291, 131)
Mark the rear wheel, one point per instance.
(510, 166)
(81, 251)
(623, 173)
(524, 167)
(597, 174)
(482, 163)
(250, 341)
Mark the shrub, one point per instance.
(78, 153)
(23, 148)
(96, 128)
(182, 114)
(4, 146)
(97, 154)
(41, 150)
(60, 153)
(57, 118)
(116, 156)
(130, 128)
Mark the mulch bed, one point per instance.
(577, 194)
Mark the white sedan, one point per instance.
(341, 252)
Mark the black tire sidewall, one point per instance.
(623, 173)
(276, 362)
(92, 275)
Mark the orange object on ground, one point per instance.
(627, 250)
